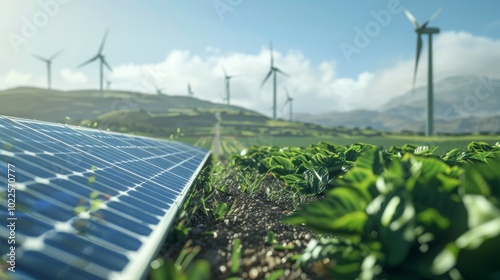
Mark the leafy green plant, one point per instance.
(270, 238)
(250, 181)
(91, 204)
(178, 134)
(403, 214)
(183, 268)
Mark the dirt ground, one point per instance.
(250, 219)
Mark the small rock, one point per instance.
(254, 273)
(248, 252)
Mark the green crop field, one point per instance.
(444, 143)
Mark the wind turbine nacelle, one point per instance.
(430, 30)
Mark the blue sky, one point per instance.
(189, 40)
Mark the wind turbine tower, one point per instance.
(159, 90)
(273, 70)
(227, 80)
(289, 101)
(49, 64)
(420, 30)
(190, 91)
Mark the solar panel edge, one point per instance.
(139, 269)
(93, 129)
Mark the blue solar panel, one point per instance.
(88, 204)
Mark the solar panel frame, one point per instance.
(37, 132)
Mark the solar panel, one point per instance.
(87, 204)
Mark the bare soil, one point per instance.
(250, 219)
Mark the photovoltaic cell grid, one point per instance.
(89, 204)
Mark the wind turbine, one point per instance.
(423, 29)
(159, 91)
(49, 64)
(272, 71)
(99, 56)
(108, 84)
(190, 91)
(227, 79)
(289, 101)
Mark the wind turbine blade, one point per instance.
(419, 49)
(225, 73)
(88, 61)
(103, 42)
(412, 19)
(266, 78)
(432, 18)
(55, 55)
(283, 73)
(287, 95)
(436, 13)
(107, 65)
(284, 104)
(40, 58)
(272, 56)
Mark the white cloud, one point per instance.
(315, 88)
(73, 78)
(14, 78)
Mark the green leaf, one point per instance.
(286, 163)
(479, 210)
(276, 274)
(445, 260)
(479, 147)
(95, 204)
(270, 239)
(80, 209)
(295, 180)
(317, 180)
(8, 146)
(372, 160)
(484, 179)
(200, 270)
(341, 213)
(220, 211)
(94, 194)
(425, 150)
(432, 216)
(235, 255)
(91, 179)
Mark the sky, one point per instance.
(340, 55)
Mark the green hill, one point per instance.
(55, 106)
(153, 115)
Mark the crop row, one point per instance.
(397, 213)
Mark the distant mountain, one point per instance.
(461, 104)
